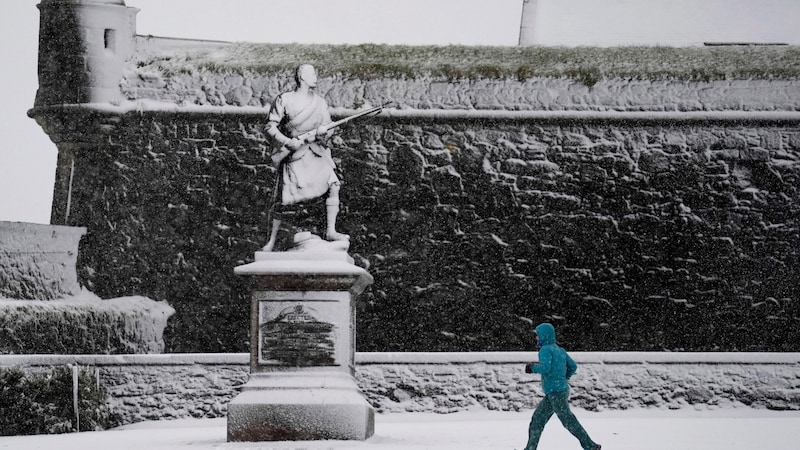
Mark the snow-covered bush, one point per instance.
(43, 403)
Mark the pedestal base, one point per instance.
(295, 406)
(302, 346)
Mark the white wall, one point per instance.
(665, 22)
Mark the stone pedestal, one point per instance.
(302, 340)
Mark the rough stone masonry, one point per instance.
(636, 215)
(631, 236)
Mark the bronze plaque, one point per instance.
(295, 336)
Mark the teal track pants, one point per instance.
(556, 402)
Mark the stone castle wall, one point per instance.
(636, 214)
(647, 234)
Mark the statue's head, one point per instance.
(306, 73)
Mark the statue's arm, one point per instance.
(276, 114)
(275, 133)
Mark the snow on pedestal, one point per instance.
(302, 341)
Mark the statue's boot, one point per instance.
(276, 225)
(270, 245)
(331, 234)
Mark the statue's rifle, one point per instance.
(309, 136)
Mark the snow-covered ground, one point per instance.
(728, 429)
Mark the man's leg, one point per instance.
(541, 415)
(560, 404)
(332, 209)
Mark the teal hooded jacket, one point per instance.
(555, 365)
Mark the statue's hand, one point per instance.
(324, 132)
(294, 144)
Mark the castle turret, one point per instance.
(83, 45)
(527, 28)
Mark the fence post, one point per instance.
(75, 398)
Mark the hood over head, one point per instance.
(546, 333)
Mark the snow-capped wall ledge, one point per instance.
(422, 358)
(165, 386)
(436, 114)
(368, 358)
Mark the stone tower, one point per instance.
(526, 28)
(83, 45)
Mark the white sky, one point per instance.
(666, 22)
(412, 22)
(27, 157)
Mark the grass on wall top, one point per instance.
(587, 64)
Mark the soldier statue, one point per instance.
(299, 123)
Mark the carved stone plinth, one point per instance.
(302, 341)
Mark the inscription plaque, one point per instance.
(295, 336)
